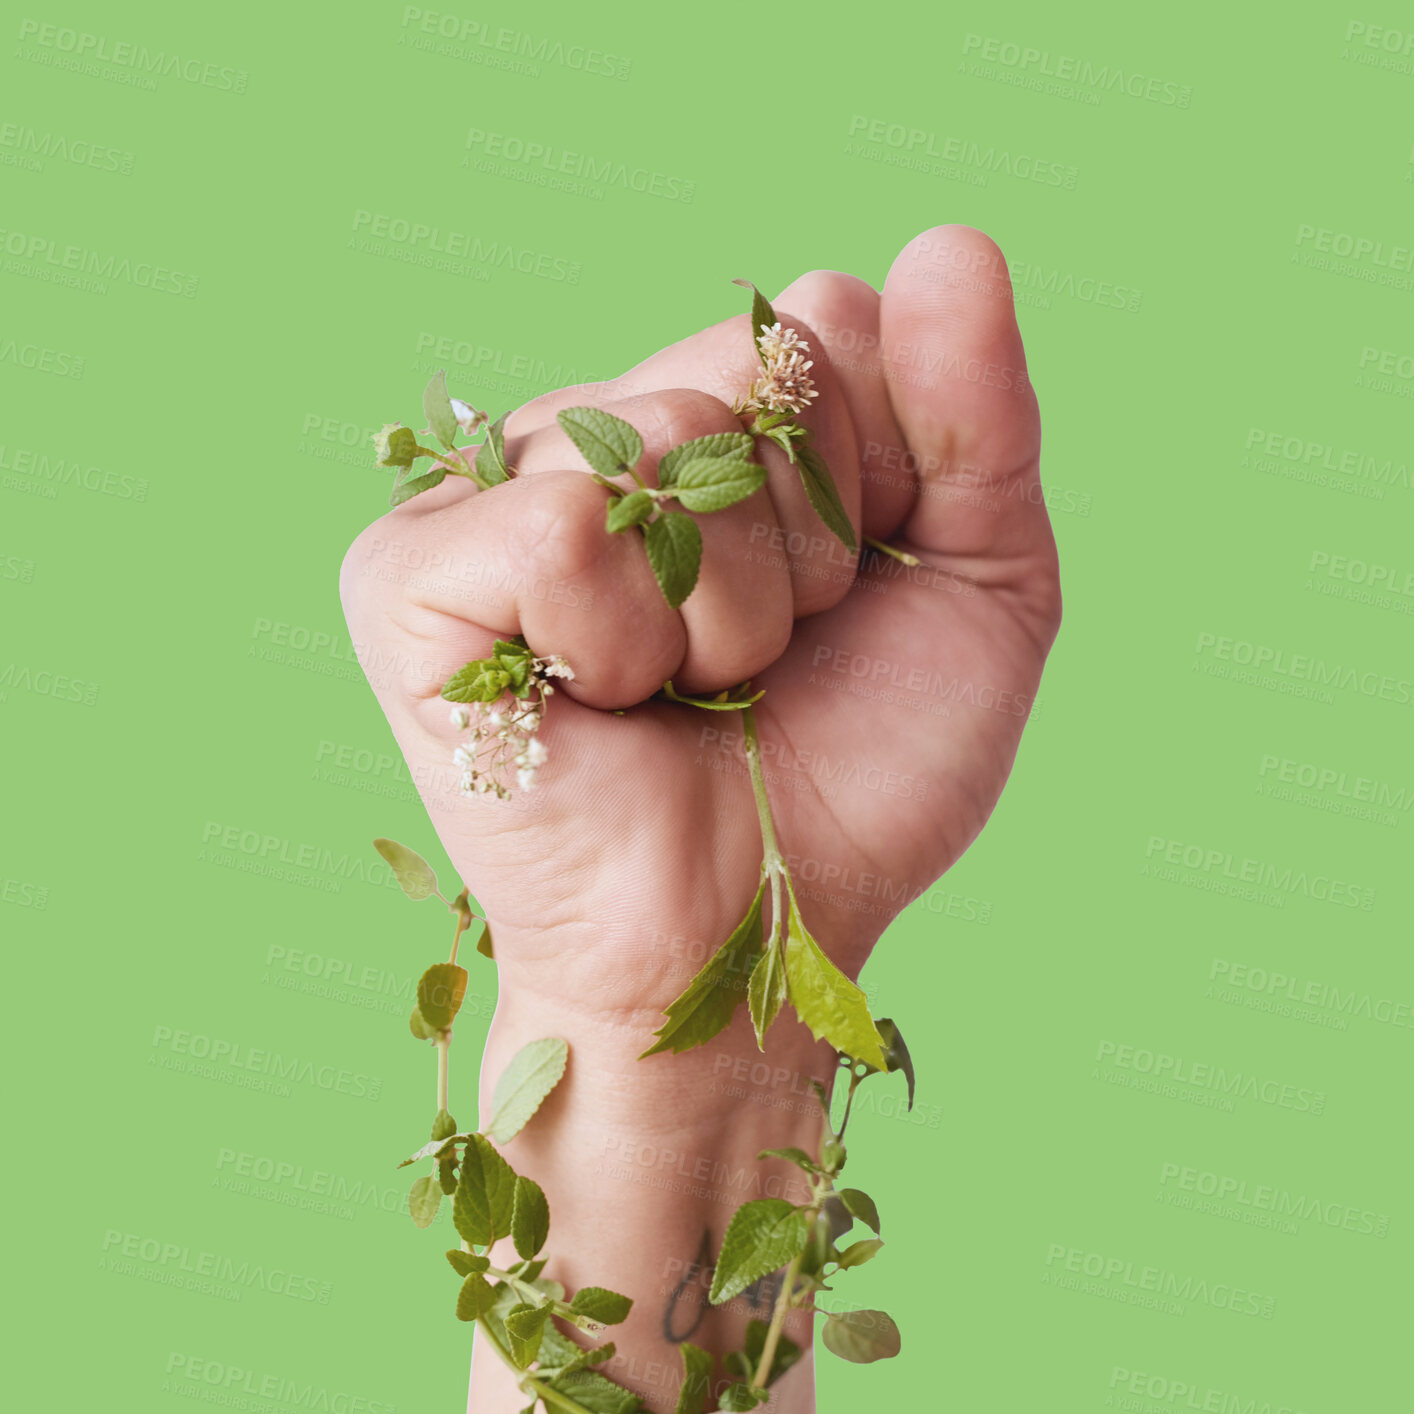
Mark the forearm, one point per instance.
(643, 1164)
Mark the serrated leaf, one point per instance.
(438, 407)
(594, 1355)
(797, 1156)
(762, 1236)
(417, 1024)
(484, 945)
(474, 1298)
(596, 1394)
(600, 1305)
(736, 445)
(675, 553)
(482, 681)
(491, 454)
(862, 1336)
(696, 1387)
(447, 1171)
(525, 1325)
(440, 991)
(527, 1271)
(825, 999)
(534, 1071)
(465, 1263)
(485, 1196)
(709, 1001)
(857, 1253)
(766, 991)
(433, 1147)
(443, 1125)
(608, 443)
(820, 489)
(530, 1217)
(739, 1395)
(424, 1200)
(707, 484)
(406, 490)
(624, 512)
(761, 313)
(861, 1206)
(896, 1056)
(410, 869)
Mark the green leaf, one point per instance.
(734, 445)
(465, 1263)
(525, 1324)
(482, 681)
(761, 312)
(825, 999)
(424, 1200)
(601, 1306)
(595, 1394)
(417, 1024)
(797, 1156)
(528, 1271)
(896, 1055)
(410, 869)
(712, 997)
(861, 1206)
(439, 994)
(530, 1217)
(491, 455)
(483, 943)
(820, 488)
(438, 407)
(741, 1395)
(395, 445)
(406, 490)
(762, 1236)
(474, 1298)
(443, 1125)
(862, 1336)
(857, 1253)
(534, 1071)
(675, 553)
(485, 1197)
(696, 1388)
(767, 990)
(594, 1355)
(713, 483)
(447, 1171)
(606, 442)
(624, 512)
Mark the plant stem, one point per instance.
(444, 1046)
(552, 1397)
(902, 556)
(772, 861)
(849, 1101)
(778, 1320)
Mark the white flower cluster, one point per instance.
(785, 384)
(503, 735)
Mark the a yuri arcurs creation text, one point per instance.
(498, 705)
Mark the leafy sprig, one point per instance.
(785, 965)
(767, 1234)
(398, 446)
(516, 1307)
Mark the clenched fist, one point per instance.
(895, 696)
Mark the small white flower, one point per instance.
(495, 721)
(468, 419)
(461, 718)
(525, 778)
(463, 757)
(536, 752)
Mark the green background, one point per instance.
(175, 507)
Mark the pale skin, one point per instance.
(639, 849)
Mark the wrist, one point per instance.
(644, 1162)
